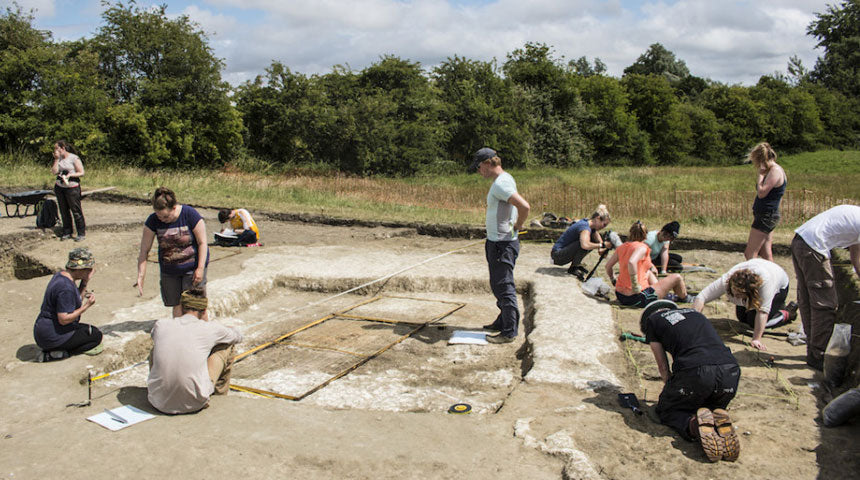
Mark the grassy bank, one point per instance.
(712, 202)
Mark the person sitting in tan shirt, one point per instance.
(191, 358)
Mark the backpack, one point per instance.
(48, 214)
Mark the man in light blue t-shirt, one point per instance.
(506, 212)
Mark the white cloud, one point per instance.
(44, 8)
(731, 41)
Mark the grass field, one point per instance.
(711, 202)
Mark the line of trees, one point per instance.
(146, 90)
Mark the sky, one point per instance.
(734, 42)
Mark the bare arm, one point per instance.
(609, 264)
(586, 243)
(664, 259)
(202, 250)
(522, 207)
(758, 330)
(854, 251)
(66, 318)
(145, 246)
(766, 182)
(79, 169)
(662, 360)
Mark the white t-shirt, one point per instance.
(501, 215)
(838, 227)
(773, 278)
(179, 377)
(656, 245)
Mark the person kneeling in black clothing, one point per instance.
(58, 330)
(703, 380)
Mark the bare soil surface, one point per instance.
(544, 406)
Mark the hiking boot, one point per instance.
(726, 431)
(492, 327)
(499, 339)
(712, 443)
(95, 350)
(791, 310)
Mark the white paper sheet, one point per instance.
(130, 414)
(465, 337)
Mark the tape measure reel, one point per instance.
(460, 408)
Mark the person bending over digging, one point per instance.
(636, 285)
(758, 288)
(703, 379)
(191, 358)
(659, 243)
(242, 225)
(58, 330)
(579, 239)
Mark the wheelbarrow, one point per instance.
(27, 199)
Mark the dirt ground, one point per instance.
(543, 407)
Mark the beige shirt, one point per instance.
(179, 377)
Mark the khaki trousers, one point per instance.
(816, 298)
(220, 365)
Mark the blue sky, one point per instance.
(729, 41)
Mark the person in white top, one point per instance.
(191, 358)
(838, 227)
(758, 288)
(69, 170)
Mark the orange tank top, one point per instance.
(625, 251)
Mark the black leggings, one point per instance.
(86, 337)
(69, 202)
(776, 307)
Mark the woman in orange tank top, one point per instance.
(637, 285)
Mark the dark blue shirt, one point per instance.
(177, 244)
(689, 337)
(571, 234)
(770, 202)
(61, 296)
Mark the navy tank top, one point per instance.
(770, 202)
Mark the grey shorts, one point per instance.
(172, 286)
(765, 221)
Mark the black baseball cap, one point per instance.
(653, 307)
(672, 228)
(481, 155)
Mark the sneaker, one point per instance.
(52, 355)
(672, 297)
(80, 238)
(712, 443)
(95, 350)
(499, 338)
(731, 445)
(492, 327)
(688, 299)
(66, 236)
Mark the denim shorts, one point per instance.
(640, 299)
(765, 221)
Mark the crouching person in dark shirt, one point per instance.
(703, 380)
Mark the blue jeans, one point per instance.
(501, 258)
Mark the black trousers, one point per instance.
(674, 264)
(85, 338)
(709, 386)
(69, 202)
(501, 258)
(778, 304)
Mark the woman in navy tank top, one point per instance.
(769, 186)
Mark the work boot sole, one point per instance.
(712, 443)
(726, 431)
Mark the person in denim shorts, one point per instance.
(770, 187)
